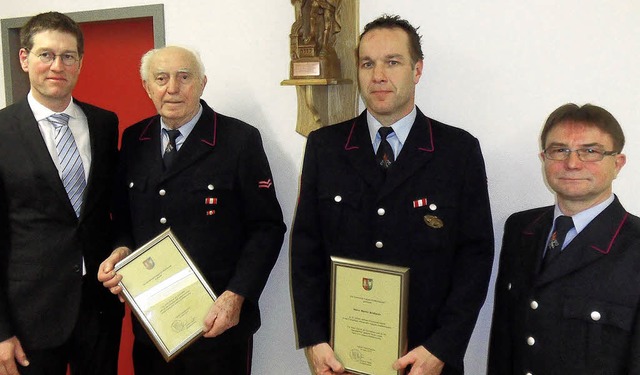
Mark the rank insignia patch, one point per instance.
(265, 184)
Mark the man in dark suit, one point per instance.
(216, 194)
(568, 288)
(417, 198)
(57, 158)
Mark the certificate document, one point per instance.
(166, 292)
(369, 303)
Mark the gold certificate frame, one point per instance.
(166, 292)
(369, 310)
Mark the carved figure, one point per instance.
(323, 24)
(313, 38)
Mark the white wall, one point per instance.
(496, 68)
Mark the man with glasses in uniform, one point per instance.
(568, 289)
(57, 160)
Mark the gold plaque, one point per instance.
(306, 69)
(369, 310)
(166, 292)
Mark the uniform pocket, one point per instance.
(606, 329)
(340, 214)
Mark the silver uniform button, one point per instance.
(433, 207)
(528, 373)
(130, 184)
(381, 211)
(534, 305)
(531, 341)
(509, 286)
(337, 199)
(210, 187)
(163, 220)
(595, 316)
(162, 192)
(379, 244)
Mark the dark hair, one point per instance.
(590, 114)
(50, 21)
(387, 21)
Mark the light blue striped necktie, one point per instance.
(70, 162)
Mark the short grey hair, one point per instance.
(146, 59)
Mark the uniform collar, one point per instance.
(401, 127)
(185, 129)
(582, 219)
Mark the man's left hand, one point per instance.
(224, 314)
(422, 362)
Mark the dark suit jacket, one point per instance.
(42, 243)
(341, 192)
(235, 241)
(581, 314)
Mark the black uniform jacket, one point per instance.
(42, 242)
(578, 316)
(431, 214)
(218, 198)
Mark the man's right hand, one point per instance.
(10, 353)
(107, 276)
(322, 360)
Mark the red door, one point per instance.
(110, 79)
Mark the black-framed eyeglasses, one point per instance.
(49, 57)
(587, 154)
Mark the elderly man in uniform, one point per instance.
(393, 186)
(568, 289)
(206, 176)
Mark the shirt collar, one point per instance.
(185, 129)
(582, 219)
(40, 112)
(401, 128)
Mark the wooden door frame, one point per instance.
(16, 83)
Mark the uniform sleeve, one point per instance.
(264, 225)
(472, 263)
(309, 262)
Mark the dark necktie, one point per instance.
(171, 151)
(554, 247)
(70, 161)
(384, 156)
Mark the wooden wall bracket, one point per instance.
(323, 65)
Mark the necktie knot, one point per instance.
(384, 155)
(564, 224)
(59, 120)
(384, 132)
(173, 135)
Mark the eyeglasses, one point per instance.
(48, 57)
(586, 154)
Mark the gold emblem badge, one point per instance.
(433, 221)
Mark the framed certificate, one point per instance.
(166, 292)
(369, 303)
